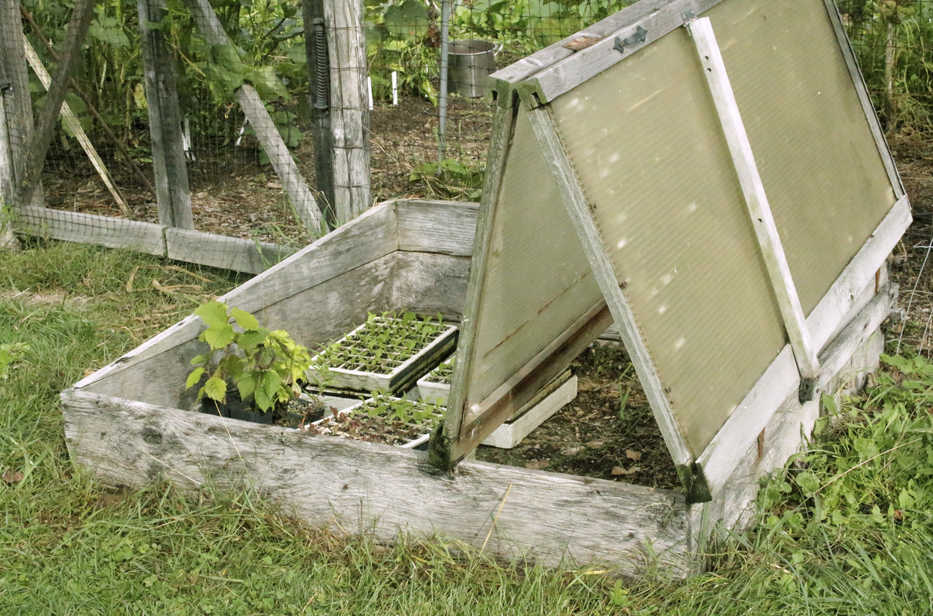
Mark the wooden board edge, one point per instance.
(232, 253)
(250, 295)
(565, 75)
(871, 116)
(445, 440)
(778, 385)
(354, 486)
(439, 227)
(825, 320)
(108, 231)
(550, 55)
(779, 381)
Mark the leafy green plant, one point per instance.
(443, 372)
(450, 179)
(402, 410)
(265, 366)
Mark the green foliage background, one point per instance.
(403, 35)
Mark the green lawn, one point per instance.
(848, 529)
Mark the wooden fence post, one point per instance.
(263, 125)
(349, 106)
(168, 154)
(18, 104)
(319, 101)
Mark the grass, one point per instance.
(846, 529)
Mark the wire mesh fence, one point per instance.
(250, 161)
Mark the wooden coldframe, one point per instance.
(528, 87)
(128, 424)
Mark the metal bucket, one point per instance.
(469, 64)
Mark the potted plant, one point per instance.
(249, 372)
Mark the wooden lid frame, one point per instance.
(526, 92)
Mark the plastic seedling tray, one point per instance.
(386, 419)
(435, 385)
(386, 353)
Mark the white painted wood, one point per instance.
(786, 432)
(779, 384)
(639, 28)
(503, 129)
(232, 253)
(74, 125)
(550, 55)
(845, 47)
(349, 107)
(599, 260)
(511, 433)
(356, 486)
(843, 347)
(365, 240)
(745, 423)
(445, 227)
(263, 126)
(828, 316)
(91, 229)
(714, 69)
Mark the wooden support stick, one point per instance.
(263, 125)
(74, 125)
(714, 69)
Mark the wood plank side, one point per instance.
(578, 209)
(91, 229)
(232, 253)
(365, 239)
(743, 159)
(445, 227)
(429, 283)
(871, 116)
(360, 487)
(319, 314)
(828, 316)
(635, 35)
(503, 129)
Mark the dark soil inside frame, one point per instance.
(607, 432)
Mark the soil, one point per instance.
(592, 436)
(298, 412)
(368, 423)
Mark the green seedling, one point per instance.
(264, 365)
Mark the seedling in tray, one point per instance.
(384, 419)
(386, 353)
(435, 385)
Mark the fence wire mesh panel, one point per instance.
(264, 146)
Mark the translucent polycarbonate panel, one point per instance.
(818, 160)
(537, 280)
(647, 147)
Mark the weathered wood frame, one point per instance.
(355, 486)
(539, 79)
